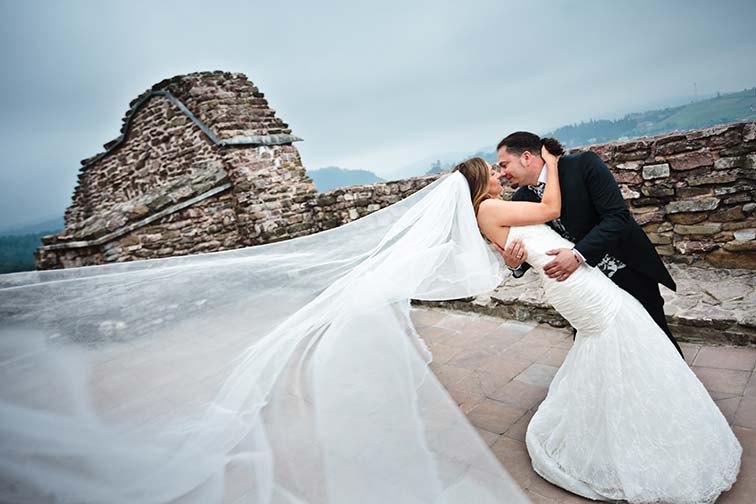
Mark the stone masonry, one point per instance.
(203, 164)
(346, 204)
(693, 193)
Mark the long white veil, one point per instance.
(281, 373)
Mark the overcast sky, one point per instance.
(368, 87)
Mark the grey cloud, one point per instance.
(373, 87)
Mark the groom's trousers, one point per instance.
(646, 290)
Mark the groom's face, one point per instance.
(517, 169)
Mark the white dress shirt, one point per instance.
(542, 180)
(542, 176)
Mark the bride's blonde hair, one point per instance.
(476, 172)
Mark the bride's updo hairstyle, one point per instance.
(476, 172)
(552, 145)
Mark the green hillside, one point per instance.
(18, 243)
(722, 109)
(17, 252)
(50, 225)
(735, 107)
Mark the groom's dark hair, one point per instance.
(521, 141)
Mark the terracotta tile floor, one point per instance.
(498, 372)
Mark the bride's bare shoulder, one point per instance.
(492, 203)
(490, 206)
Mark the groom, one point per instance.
(594, 216)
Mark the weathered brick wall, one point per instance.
(206, 226)
(345, 204)
(185, 177)
(187, 140)
(227, 103)
(162, 145)
(694, 193)
(272, 193)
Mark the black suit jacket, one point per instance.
(596, 215)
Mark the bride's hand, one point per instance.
(551, 159)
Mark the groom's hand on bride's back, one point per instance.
(514, 255)
(563, 265)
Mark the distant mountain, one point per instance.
(421, 166)
(49, 225)
(332, 177)
(17, 252)
(18, 243)
(489, 154)
(721, 109)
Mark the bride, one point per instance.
(625, 418)
(291, 373)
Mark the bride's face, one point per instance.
(494, 182)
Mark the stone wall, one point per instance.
(273, 194)
(207, 226)
(162, 147)
(345, 204)
(694, 193)
(202, 164)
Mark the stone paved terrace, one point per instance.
(711, 305)
(498, 371)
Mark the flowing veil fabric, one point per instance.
(281, 373)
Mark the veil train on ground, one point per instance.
(280, 373)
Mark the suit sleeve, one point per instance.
(522, 194)
(610, 206)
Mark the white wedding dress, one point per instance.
(625, 418)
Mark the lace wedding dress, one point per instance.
(625, 417)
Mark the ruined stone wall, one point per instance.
(345, 204)
(206, 226)
(162, 146)
(272, 194)
(694, 193)
(202, 164)
(227, 103)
